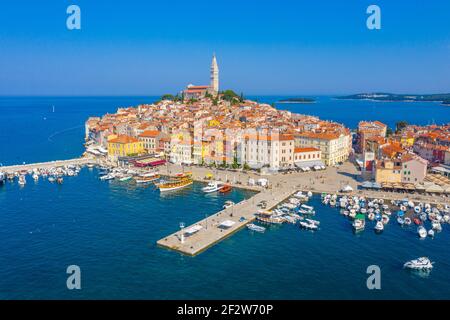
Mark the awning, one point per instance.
(193, 229)
(309, 164)
(227, 223)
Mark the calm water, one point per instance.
(109, 229)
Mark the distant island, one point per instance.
(297, 100)
(443, 98)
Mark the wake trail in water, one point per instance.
(50, 137)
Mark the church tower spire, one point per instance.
(214, 86)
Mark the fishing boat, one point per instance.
(422, 263)
(379, 227)
(226, 188)
(212, 186)
(255, 227)
(181, 182)
(228, 204)
(422, 232)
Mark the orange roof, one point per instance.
(124, 139)
(149, 134)
(299, 150)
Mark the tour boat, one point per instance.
(212, 186)
(379, 226)
(175, 185)
(255, 227)
(226, 188)
(422, 232)
(422, 263)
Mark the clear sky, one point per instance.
(263, 47)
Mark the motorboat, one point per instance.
(358, 224)
(400, 221)
(422, 263)
(385, 219)
(59, 180)
(22, 180)
(225, 188)
(228, 204)
(379, 227)
(212, 186)
(316, 222)
(436, 226)
(371, 216)
(422, 232)
(125, 178)
(255, 227)
(109, 176)
(431, 233)
(417, 221)
(309, 226)
(407, 221)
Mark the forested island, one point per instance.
(444, 98)
(297, 100)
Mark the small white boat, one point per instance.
(308, 226)
(408, 221)
(436, 226)
(385, 219)
(212, 186)
(228, 204)
(22, 180)
(105, 177)
(379, 226)
(126, 178)
(422, 232)
(400, 221)
(255, 227)
(51, 179)
(358, 224)
(371, 216)
(431, 233)
(422, 263)
(316, 222)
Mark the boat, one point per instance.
(422, 232)
(22, 180)
(407, 221)
(309, 226)
(371, 216)
(269, 217)
(316, 222)
(59, 180)
(417, 221)
(436, 226)
(400, 221)
(35, 177)
(379, 227)
(358, 224)
(176, 184)
(212, 186)
(125, 178)
(431, 233)
(385, 219)
(255, 227)
(109, 176)
(51, 179)
(146, 179)
(228, 204)
(226, 188)
(422, 263)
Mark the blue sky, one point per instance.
(263, 47)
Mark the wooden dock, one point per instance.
(212, 232)
(50, 164)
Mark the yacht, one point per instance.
(422, 232)
(307, 225)
(431, 233)
(422, 263)
(212, 186)
(255, 227)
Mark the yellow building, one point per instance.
(388, 171)
(123, 146)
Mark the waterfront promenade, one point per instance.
(49, 164)
(212, 230)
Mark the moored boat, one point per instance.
(422, 263)
(255, 227)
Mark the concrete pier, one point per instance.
(211, 231)
(50, 164)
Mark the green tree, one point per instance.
(246, 166)
(168, 97)
(399, 126)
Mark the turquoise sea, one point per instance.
(109, 229)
